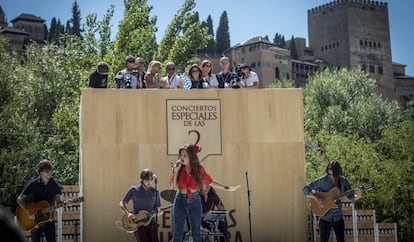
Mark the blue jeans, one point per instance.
(184, 206)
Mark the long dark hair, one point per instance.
(335, 167)
(194, 163)
(190, 74)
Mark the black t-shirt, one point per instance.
(224, 78)
(196, 84)
(98, 80)
(37, 191)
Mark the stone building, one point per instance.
(17, 38)
(32, 25)
(271, 62)
(264, 58)
(342, 33)
(3, 19)
(355, 33)
(25, 28)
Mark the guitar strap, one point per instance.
(339, 184)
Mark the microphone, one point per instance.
(155, 177)
(177, 164)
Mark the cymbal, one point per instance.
(168, 195)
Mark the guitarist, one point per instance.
(44, 187)
(144, 197)
(332, 218)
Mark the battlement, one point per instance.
(353, 3)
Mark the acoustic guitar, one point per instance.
(42, 211)
(142, 218)
(330, 197)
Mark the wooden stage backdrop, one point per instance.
(247, 136)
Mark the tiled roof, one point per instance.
(29, 17)
(13, 30)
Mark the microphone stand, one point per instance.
(248, 199)
(156, 217)
(410, 214)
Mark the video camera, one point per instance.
(123, 80)
(236, 77)
(238, 72)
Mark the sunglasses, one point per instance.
(170, 69)
(208, 66)
(195, 70)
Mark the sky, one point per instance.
(247, 18)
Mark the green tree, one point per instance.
(136, 34)
(183, 38)
(68, 28)
(174, 30)
(56, 29)
(285, 83)
(76, 20)
(101, 46)
(185, 47)
(223, 34)
(345, 101)
(279, 40)
(211, 45)
(90, 29)
(293, 49)
(52, 30)
(396, 145)
(40, 118)
(105, 45)
(45, 32)
(347, 121)
(283, 42)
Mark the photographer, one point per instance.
(225, 77)
(248, 78)
(127, 78)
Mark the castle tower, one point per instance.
(352, 33)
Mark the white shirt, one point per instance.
(250, 80)
(212, 80)
(172, 81)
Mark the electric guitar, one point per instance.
(142, 218)
(330, 197)
(42, 211)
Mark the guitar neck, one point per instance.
(53, 208)
(344, 194)
(362, 188)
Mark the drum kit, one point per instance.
(211, 233)
(212, 219)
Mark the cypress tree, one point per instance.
(76, 19)
(292, 48)
(222, 34)
(211, 45)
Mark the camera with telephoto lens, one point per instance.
(236, 77)
(123, 80)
